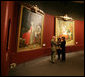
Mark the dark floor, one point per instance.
(74, 66)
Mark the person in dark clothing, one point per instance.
(58, 48)
(63, 43)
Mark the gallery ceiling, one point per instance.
(74, 9)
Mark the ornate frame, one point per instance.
(33, 10)
(57, 24)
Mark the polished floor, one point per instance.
(74, 66)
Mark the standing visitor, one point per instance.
(58, 47)
(63, 43)
(53, 49)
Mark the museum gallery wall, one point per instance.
(30, 30)
(48, 31)
(12, 56)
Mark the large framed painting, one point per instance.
(66, 29)
(30, 30)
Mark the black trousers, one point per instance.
(59, 52)
(63, 55)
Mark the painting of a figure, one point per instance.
(31, 29)
(66, 29)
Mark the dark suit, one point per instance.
(58, 49)
(63, 50)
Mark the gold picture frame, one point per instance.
(30, 33)
(66, 29)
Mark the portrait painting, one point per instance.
(30, 30)
(65, 29)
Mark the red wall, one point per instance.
(10, 10)
(48, 31)
(3, 40)
(5, 15)
(79, 37)
(79, 32)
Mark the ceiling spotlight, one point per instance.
(65, 18)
